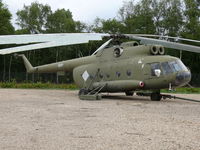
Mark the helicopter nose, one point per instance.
(183, 78)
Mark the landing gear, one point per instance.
(83, 92)
(129, 93)
(156, 96)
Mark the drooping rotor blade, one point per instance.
(46, 40)
(39, 38)
(102, 46)
(173, 45)
(37, 46)
(167, 37)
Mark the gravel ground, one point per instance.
(57, 119)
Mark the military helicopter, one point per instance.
(115, 66)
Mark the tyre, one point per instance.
(129, 93)
(82, 92)
(156, 97)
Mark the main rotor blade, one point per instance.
(41, 38)
(173, 45)
(166, 37)
(46, 41)
(102, 46)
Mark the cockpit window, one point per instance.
(166, 68)
(183, 67)
(173, 66)
(154, 66)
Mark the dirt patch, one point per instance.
(57, 119)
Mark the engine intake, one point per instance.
(157, 50)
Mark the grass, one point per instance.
(40, 85)
(37, 85)
(184, 91)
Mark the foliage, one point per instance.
(168, 16)
(112, 26)
(183, 90)
(37, 85)
(34, 17)
(48, 85)
(140, 20)
(5, 23)
(191, 30)
(60, 21)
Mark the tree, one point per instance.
(192, 30)
(97, 25)
(34, 17)
(5, 28)
(168, 16)
(112, 26)
(5, 23)
(80, 26)
(138, 18)
(60, 21)
(107, 26)
(192, 22)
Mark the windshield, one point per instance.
(173, 66)
(183, 67)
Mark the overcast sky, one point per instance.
(83, 10)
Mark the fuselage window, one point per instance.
(154, 67)
(128, 73)
(118, 74)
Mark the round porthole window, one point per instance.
(118, 74)
(128, 73)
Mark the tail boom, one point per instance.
(66, 66)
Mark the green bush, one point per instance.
(37, 85)
(40, 85)
(183, 90)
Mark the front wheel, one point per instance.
(82, 92)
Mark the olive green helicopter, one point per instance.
(134, 66)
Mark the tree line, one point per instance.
(164, 17)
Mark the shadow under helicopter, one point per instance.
(146, 99)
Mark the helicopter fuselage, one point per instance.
(134, 69)
(122, 68)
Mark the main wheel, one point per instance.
(156, 96)
(129, 93)
(83, 92)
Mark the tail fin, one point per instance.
(29, 67)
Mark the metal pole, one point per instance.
(181, 54)
(10, 68)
